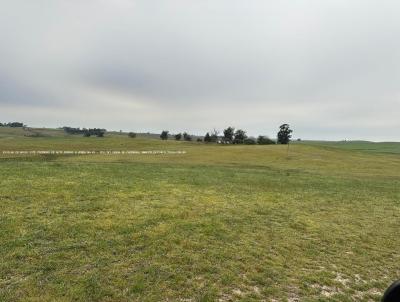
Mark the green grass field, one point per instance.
(218, 223)
(383, 147)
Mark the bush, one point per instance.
(86, 132)
(199, 140)
(71, 130)
(249, 141)
(264, 140)
(132, 134)
(187, 137)
(178, 136)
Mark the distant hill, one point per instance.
(381, 147)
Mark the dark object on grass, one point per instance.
(392, 294)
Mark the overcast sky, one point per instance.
(331, 68)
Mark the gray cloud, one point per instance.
(323, 66)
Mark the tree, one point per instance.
(228, 134)
(187, 137)
(199, 140)
(164, 135)
(284, 134)
(132, 134)
(178, 136)
(214, 136)
(240, 136)
(263, 140)
(207, 138)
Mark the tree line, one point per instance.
(85, 132)
(12, 125)
(230, 135)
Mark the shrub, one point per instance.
(187, 137)
(249, 141)
(178, 136)
(132, 134)
(86, 132)
(264, 140)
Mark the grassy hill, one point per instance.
(382, 147)
(217, 223)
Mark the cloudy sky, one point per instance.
(331, 68)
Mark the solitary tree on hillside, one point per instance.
(229, 133)
(284, 134)
(164, 135)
